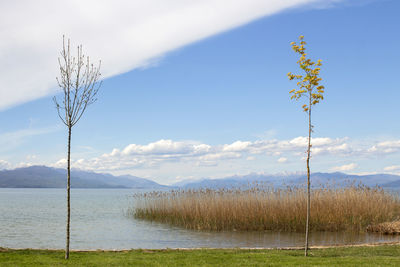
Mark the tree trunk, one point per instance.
(308, 179)
(68, 193)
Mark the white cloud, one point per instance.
(156, 154)
(62, 163)
(337, 148)
(237, 146)
(124, 34)
(300, 141)
(385, 147)
(165, 147)
(220, 155)
(4, 164)
(165, 159)
(206, 163)
(346, 167)
(299, 145)
(24, 165)
(392, 168)
(282, 160)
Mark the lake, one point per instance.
(35, 218)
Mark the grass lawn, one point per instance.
(386, 255)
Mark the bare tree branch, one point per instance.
(79, 81)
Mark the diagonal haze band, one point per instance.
(139, 32)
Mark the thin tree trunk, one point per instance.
(308, 179)
(68, 193)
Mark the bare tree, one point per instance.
(79, 81)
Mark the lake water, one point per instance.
(35, 218)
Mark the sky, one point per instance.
(200, 89)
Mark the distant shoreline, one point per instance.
(71, 188)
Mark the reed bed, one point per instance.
(387, 228)
(264, 208)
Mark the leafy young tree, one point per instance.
(79, 81)
(309, 87)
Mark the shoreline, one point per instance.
(2, 249)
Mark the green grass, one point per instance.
(345, 256)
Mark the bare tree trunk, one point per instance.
(308, 180)
(79, 81)
(68, 193)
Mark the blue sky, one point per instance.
(219, 105)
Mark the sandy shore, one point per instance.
(240, 248)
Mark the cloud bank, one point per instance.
(124, 34)
(163, 152)
(344, 168)
(167, 161)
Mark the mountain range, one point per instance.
(47, 177)
(318, 179)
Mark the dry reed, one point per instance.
(387, 228)
(258, 209)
